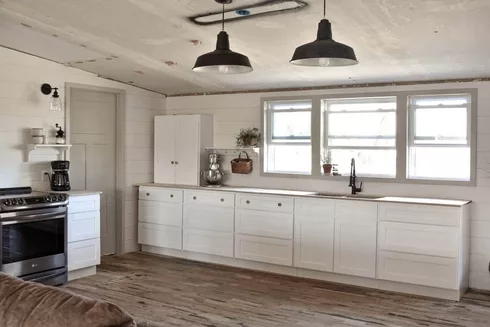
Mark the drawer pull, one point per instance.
(194, 198)
(172, 162)
(248, 202)
(222, 200)
(171, 195)
(279, 204)
(147, 194)
(176, 162)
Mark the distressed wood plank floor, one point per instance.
(174, 292)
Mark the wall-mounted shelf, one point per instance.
(232, 151)
(60, 147)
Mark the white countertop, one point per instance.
(357, 197)
(78, 193)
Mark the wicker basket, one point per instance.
(242, 166)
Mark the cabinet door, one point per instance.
(209, 242)
(83, 254)
(264, 223)
(165, 136)
(313, 242)
(264, 249)
(208, 218)
(159, 235)
(83, 226)
(355, 247)
(188, 152)
(160, 213)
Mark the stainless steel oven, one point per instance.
(34, 244)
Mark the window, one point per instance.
(439, 137)
(403, 136)
(288, 137)
(363, 129)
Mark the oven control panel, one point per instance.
(33, 201)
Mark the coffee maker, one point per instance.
(60, 180)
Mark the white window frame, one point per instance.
(359, 99)
(402, 137)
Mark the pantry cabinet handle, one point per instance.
(279, 204)
(248, 202)
(194, 198)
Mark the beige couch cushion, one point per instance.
(24, 304)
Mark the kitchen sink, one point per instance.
(347, 196)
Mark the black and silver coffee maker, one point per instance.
(60, 181)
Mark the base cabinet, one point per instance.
(263, 249)
(418, 269)
(209, 242)
(355, 247)
(83, 254)
(160, 235)
(314, 242)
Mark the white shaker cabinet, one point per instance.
(180, 142)
(355, 238)
(314, 234)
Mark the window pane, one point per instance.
(293, 159)
(362, 142)
(362, 124)
(291, 105)
(381, 163)
(441, 100)
(440, 163)
(441, 126)
(291, 125)
(361, 104)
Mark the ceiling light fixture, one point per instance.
(324, 51)
(55, 104)
(223, 60)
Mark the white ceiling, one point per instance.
(130, 41)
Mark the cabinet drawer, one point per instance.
(356, 210)
(212, 198)
(210, 242)
(160, 213)
(84, 203)
(263, 223)
(160, 194)
(265, 202)
(269, 250)
(418, 269)
(83, 226)
(161, 236)
(83, 254)
(314, 206)
(208, 217)
(418, 239)
(419, 214)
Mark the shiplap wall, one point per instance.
(232, 112)
(22, 106)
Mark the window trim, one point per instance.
(402, 112)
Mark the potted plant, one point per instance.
(248, 137)
(327, 162)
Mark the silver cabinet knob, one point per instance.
(194, 198)
(172, 162)
(222, 200)
(279, 204)
(248, 202)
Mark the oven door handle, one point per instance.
(33, 218)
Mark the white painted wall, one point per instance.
(23, 106)
(232, 112)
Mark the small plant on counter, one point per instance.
(248, 137)
(327, 161)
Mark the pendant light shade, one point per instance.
(223, 60)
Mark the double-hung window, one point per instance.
(363, 129)
(439, 138)
(288, 137)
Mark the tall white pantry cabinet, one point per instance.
(180, 142)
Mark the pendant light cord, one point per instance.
(223, 18)
(324, 8)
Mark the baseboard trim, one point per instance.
(81, 273)
(446, 294)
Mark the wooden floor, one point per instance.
(174, 292)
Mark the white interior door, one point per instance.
(93, 155)
(165, 157)
(188, 152)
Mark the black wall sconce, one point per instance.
(55, 104)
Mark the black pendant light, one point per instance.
(223, 60)
(324, 51)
